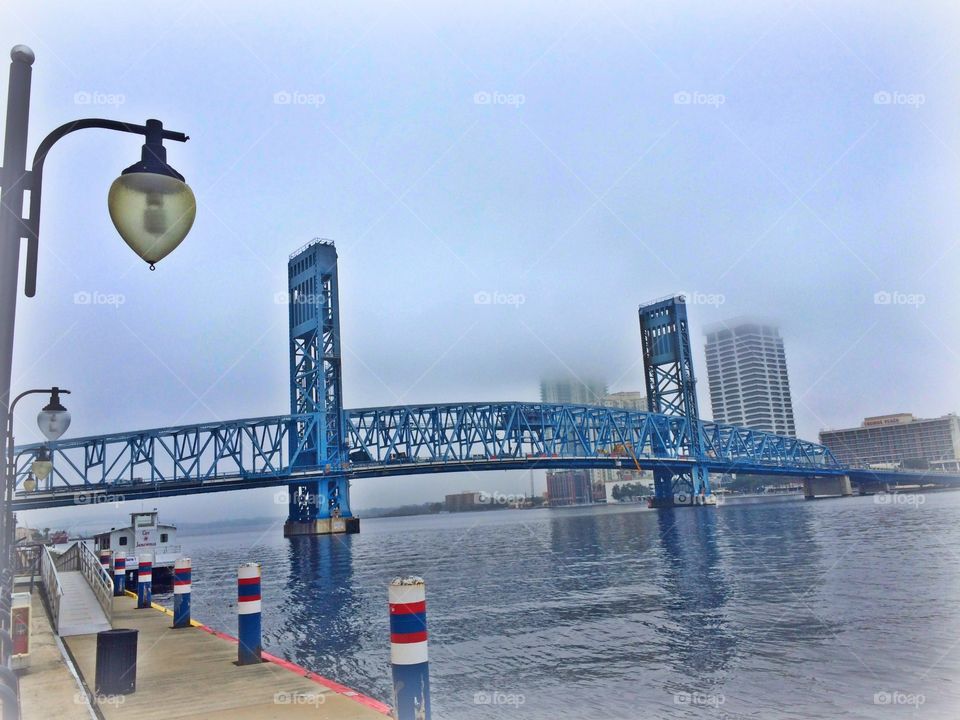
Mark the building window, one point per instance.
(163, 537)
(123, 540)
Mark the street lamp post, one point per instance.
(151, 207)
(53, 421)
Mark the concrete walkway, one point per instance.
(80, 613)
(47, 688)
(192, 673)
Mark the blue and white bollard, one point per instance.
(181, 593)
(408, 649)
(248, 614)
(144, 581)
(119, 575)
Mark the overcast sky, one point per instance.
(787, 159)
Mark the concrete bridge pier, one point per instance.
(320, 507)
(831, 486)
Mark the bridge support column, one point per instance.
(817, 488)
(682, 489)
(320, 507)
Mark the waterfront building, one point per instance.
(898, 440)
(747, 372)
(569, 487)
(463, 502)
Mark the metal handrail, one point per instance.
(97, 576)
(50, 580)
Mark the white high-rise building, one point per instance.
(747, 371)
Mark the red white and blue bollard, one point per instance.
(105, 563)
(408, 649)
(248, 614)
(181, 593)
(119, 575)
(144, 581)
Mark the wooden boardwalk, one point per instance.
(192, 673)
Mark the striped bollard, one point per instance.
(144, 581)
(408, 649)
(119, 575)
(105, 563)
(248, 614)
(181, 593)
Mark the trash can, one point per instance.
(116, 662)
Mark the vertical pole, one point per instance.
(181, 593)
(408, 649)
(144, 581)
(119, 575)
(13, 181)
(248, 614)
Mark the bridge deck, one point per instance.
(191, 673)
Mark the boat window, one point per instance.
(163, 537)
(123, 540)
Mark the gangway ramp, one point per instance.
(78, 591)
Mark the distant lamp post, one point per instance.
(40, 468)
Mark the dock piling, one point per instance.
(408, 649)
(119, 576)
(144, 581)
(181, 592)
(248, 614)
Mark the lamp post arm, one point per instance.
(34, 181)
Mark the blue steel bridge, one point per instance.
(318, 449)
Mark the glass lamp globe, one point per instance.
(30, 483)
(152, 211)
(54, 419)
(41, 469)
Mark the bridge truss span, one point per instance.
(398, 440)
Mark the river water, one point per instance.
(789, 609)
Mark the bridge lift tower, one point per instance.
(321, 506)
(671, 390)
